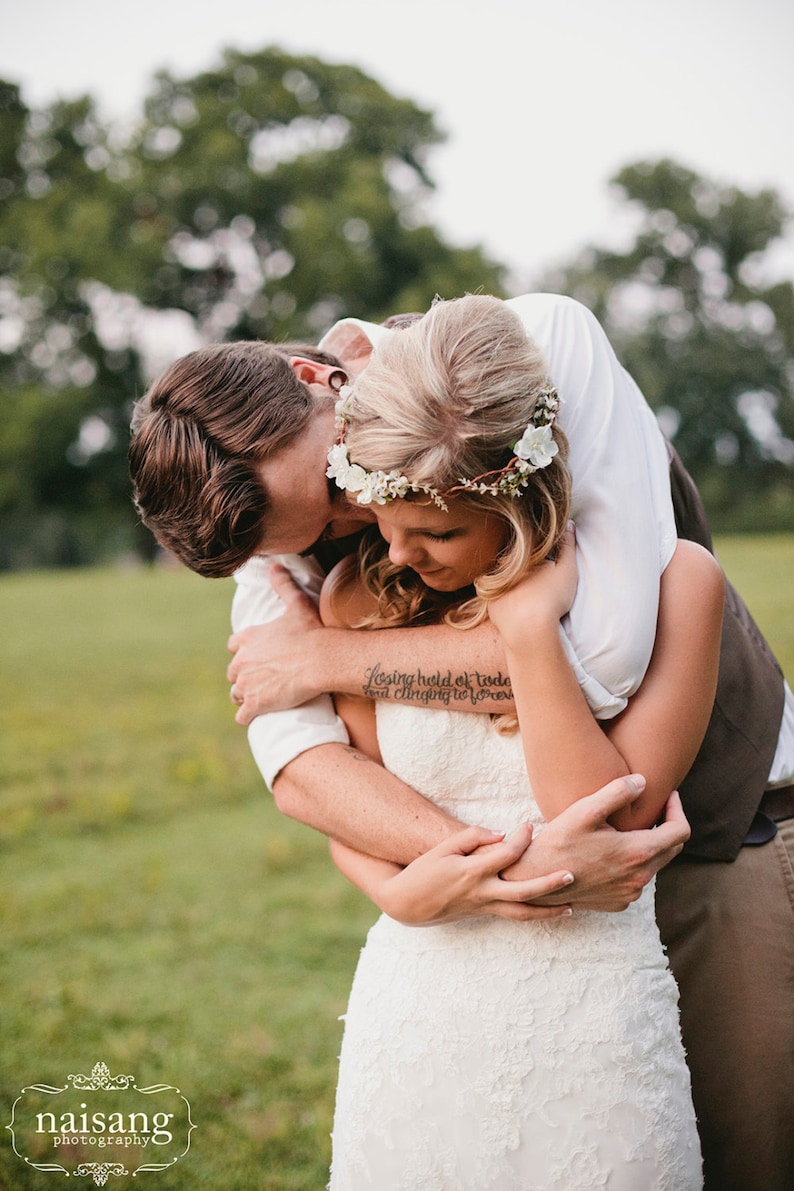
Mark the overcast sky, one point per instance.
(542, 100)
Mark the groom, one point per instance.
(735, 1028)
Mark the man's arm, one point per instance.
(331, 787)
(437, 666)
(340, 792)
(350, 798)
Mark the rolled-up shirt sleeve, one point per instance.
(622, 507)
(278, 737)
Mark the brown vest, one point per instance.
(723, 788)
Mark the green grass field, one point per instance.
(159, 915)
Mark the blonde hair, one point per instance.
(445, 399)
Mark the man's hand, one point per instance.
(611, 868)
(276, 664)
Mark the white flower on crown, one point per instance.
(342, 403)
(339, 465)
(347, 475)
(536, 446)
(372, 487)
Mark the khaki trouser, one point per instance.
(729, 930)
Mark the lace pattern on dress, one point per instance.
(491, 1055)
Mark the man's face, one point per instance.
(302, 505)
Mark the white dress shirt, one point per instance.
(625, 531)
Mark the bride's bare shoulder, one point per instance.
(344, 600)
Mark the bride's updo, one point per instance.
(446, 400)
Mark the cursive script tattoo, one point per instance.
(469, 689)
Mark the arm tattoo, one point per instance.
(464, 691)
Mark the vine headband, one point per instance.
(534, 450)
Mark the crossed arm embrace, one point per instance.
(597, 850)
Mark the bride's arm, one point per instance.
(663, 726)
(457, 879)
(567, 751)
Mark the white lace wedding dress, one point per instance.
(491, 1055)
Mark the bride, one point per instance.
(492, 1053)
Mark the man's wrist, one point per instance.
(323, 662)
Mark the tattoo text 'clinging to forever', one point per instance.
(470, 688)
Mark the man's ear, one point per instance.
(311, 372)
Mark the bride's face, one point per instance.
(449, 550)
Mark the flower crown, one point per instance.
(534, 450)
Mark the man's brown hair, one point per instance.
(198, 435)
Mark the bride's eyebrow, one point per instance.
(432, 526)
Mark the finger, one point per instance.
(233, 644)
(244, 716)
(232, 670)
(488, 849)
(527, 891)
(501, 855)
(464, 842)
(285, 586)
(674, 810)
(612, 797)
(567, 554)
(675, 830)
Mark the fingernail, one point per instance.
(567, 912)
(637, 782)
(568, 879)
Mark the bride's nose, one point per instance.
(402, 552)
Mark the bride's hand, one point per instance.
(540, 599)
(459, 879)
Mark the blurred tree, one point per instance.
(263, 199)
(708, 339)
(62, 224)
